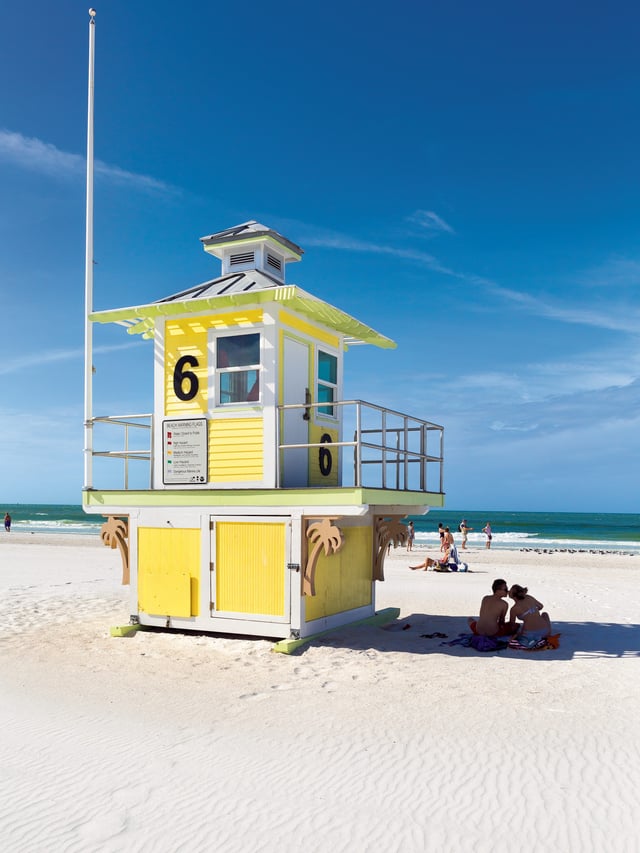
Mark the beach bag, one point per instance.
(463, 567)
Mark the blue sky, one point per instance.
(463, 176)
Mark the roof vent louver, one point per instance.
(274, 262)
(241, 258)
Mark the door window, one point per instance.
(327, 382)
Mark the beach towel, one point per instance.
(478, 642)
(524, 644)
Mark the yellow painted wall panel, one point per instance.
(250, 566)
(236, 450)
(343, 580)
(169, 562)
(189, 336)
(330, 457)
(185, 338)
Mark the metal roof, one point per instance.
(250, 230)
(242, 289)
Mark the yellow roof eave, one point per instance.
(140, 319)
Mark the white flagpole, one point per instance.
(88, 277)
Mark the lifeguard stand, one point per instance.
(271, 499)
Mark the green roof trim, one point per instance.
(141, 318)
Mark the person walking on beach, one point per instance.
(441, 535)
(7, 523)
(493, 612)
(487, 531)
(535, 624)
(465, 532)
(411, 535)
(448, 538)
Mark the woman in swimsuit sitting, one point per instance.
(535, 624)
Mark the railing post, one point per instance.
(358, 448)
(423, 459)
(398, 452)
(406, 452)
(279, 416)
(126, 457)
(384, 449)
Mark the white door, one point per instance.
(295, 468)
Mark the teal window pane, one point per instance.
(325, 395)
(327, 368)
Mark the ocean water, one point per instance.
(515, 530)
(51, 518)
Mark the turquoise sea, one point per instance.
(586, 531)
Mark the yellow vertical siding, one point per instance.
(250, 567)
(343, 580)
(316, 478)
(168, 571)
(236, 450)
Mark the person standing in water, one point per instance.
(465, 532)
(7, 523)
(487, 531)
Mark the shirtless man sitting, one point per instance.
(493, 611)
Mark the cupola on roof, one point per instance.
(252, 246)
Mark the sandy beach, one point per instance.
(366, 739)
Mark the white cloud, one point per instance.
(616, 273)
(499, 426)
(41, 358)
(43, 157)
(617, 318)
(430, 221)
(342, 242)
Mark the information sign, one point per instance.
(184, 451)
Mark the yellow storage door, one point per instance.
(250, 575)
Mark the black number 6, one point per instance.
(325, 460)
(179, 375)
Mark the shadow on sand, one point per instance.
(578, 639)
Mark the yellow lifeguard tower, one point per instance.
(271, 500)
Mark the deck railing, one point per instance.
(390, 450)
(128, 452)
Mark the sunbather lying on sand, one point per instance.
(437, 565)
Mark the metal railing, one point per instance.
(127, 453)
(391, 450)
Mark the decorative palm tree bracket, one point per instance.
(387, 529)
(115, 534)
(321, 534)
